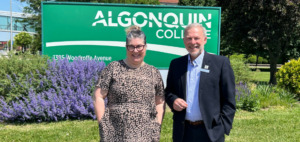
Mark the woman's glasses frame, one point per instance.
(137, 47)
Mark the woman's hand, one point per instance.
(99, 104)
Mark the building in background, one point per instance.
(17, 26)
(168, 2)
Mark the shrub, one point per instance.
(19, 86)
(241, 71)
(20, 68)
(265, 61)
(262, 96)
(240, 57)
(274, 96)
(261, 60)
(68, 95)
(288, 76)
(245, 99)
(252, 59)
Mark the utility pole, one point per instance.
(11, 41)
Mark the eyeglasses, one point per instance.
(132, 47)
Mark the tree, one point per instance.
(197, 2)
(14, 45)
(23, 39)
(269, 26)
(34, 8)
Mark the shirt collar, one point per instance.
(198, 60)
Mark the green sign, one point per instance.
(97, 31)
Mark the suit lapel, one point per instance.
(183, 77)
(203, 75)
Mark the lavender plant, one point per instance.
(245, 99)
(66, 95)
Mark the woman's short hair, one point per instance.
(134, 32)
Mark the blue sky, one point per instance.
(17, 6)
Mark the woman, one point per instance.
(134, 91)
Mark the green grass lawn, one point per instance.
(71, 131)
(278, 125)
(274, 124)
(260, 77)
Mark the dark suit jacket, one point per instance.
(216, 95)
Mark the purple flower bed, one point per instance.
(241, 91)
(68, 94)
(245, 99)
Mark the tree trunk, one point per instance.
(273, 67)
(256, 60)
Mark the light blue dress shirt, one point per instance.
(192, 88)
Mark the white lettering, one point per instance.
(86, 57)
(171, 34)
(174, 23)
(176, 34)
(139, 14)
(158, 35)
(176, 37)
(99, 15)
(152, 17)
(110, 23)
(201, 18)
(56, 57)
(170, 20)
(181, 20)
(126, 19)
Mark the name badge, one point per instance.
(204, 70)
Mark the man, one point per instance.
(200, 91)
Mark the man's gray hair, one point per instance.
(135, 32)
(194, 25)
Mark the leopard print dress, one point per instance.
(130, 114)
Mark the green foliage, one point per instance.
(34, 8)
(274, 96)
(249, 103)
(197, 2)
(272, 27)
(245, 100)
(252, 59)
(288, 76)
(241, 71)
(19, 67)
(240, 57)
(23, 39)
(265, 61)
(14, 45)
(260, 60)
(262, 96)
(36, 44)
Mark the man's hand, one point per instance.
(179, 104)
